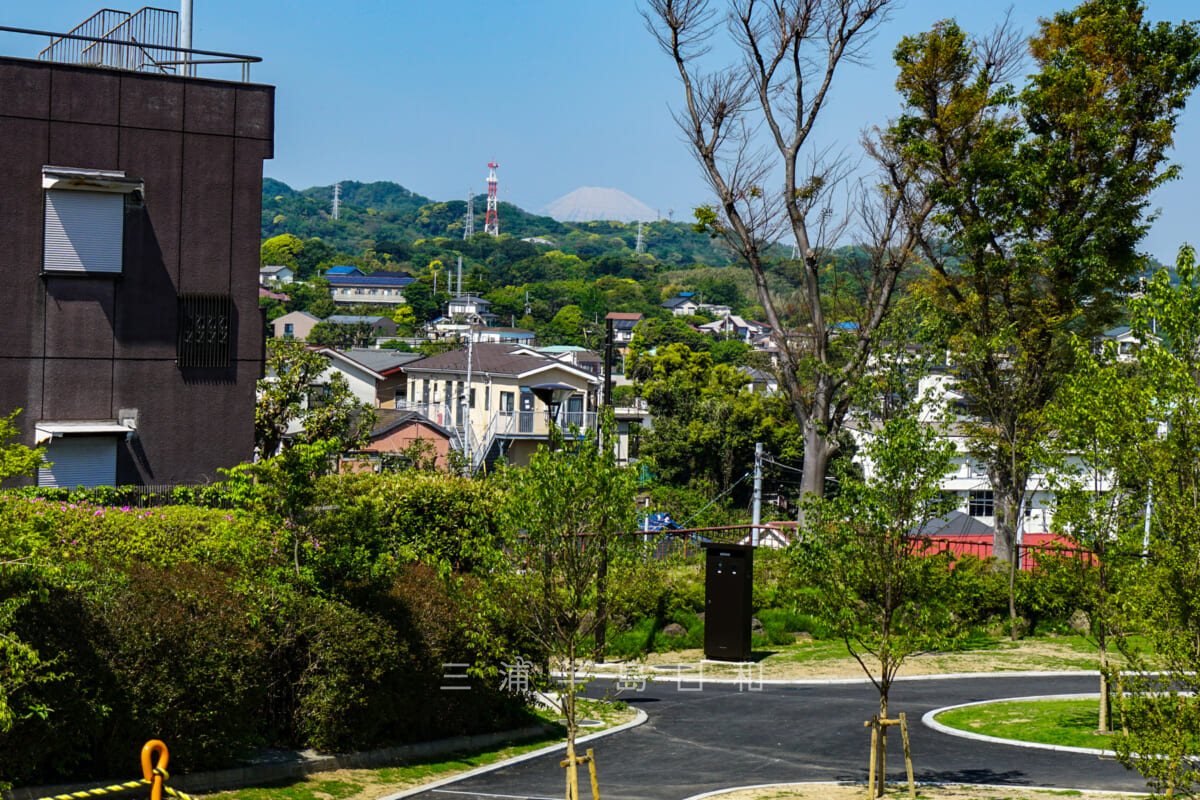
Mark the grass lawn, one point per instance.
(1062, 722)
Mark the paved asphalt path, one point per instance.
(698, 741)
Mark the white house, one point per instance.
(472, 309)
(275, 275)
(497, 401)
(682, 305)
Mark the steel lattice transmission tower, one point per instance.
(492, 223)
(469, 219)
(337, 199)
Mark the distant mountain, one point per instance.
(373, 216)
(589, 203)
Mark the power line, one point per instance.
(781, 465)
(715, 499)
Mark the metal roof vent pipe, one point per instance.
(185, 34)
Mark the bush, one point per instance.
(980, 590)
(138, 654)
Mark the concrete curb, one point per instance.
(803, 784)
(638, 720)
(929, 722)
(303, 763)
(691, 677)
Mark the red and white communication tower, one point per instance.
(491, 223)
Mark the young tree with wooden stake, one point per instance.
(1100, 422)
(1160, 704)
(876, 582)
(790, 51)
(564, 511)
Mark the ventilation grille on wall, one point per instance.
(205, 330)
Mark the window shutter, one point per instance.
(83, 231)
(80, 461)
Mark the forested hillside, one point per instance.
(374, 216)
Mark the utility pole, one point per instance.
(602, 572)
(758, 459)
(468, 448)
(608, 362)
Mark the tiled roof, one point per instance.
(675, 302)
(498, 359)
(350, 319)
(374, 279)
(381, 359)
(388, 419)
(344, 269)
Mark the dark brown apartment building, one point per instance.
(130, 334)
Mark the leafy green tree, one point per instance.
(568, 325)
(874, 577)
(420, 298)
(405, 319)
(20, 664)
(1101, 420)
(564, 513)
(1038, 198)
(706, 421)
(651, 334)
(283, 249)
(16, 459)
(721, 291)
(1160, 712)
(297, 397)
(331, 334)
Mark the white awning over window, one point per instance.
(85, 218)
(45, 431)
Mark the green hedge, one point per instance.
(195, 626)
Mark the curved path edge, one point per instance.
(929, 722)
(508, 762)
(801, 784)
(941, 676)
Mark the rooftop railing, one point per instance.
(145, 41)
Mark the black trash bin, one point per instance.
(728, 601)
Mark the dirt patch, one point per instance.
(792, 662)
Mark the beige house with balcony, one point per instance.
(498, 401)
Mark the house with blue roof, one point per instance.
(357, 288)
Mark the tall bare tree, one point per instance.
(751, 123)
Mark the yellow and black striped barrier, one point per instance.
(154, 775)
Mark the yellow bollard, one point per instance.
(156, 773)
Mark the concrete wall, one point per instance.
(83, 347)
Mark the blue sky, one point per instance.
(562, 93)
